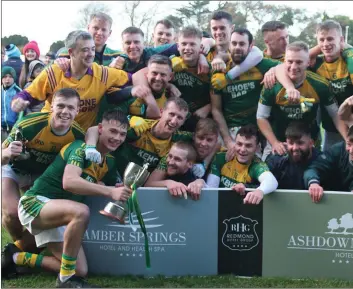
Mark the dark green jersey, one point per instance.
(233, 172)
(50, 183)
(340, 75)
(332, 170)
(43, 145)
(314, 87)
(147, 148)
(241, 96)
(102, 58)
(194, 88)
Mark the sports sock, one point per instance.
(27, 259)
(67, 269)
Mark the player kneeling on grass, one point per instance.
(53, 211)
(245, 170)
(179, 178)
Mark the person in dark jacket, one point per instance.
(13, 59)
(8, 90)
(333, 170)
(289, 168)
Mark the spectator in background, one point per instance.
(35, 68)
(2, 55)
(31, 52)
(13, 59)
(8, 90)
(49, 58)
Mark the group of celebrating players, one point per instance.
(203, 112)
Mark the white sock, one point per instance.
(14, 257)
(64, 278)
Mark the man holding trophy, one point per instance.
(53, 211)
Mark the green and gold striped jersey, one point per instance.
(340, 75)
(283, 112)
(241, 96)
(233, 172)
(42, 144)
(50, 183)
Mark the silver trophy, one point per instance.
(133, 174)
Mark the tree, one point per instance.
(55, 46)
(345, 21)
(15, 39)
(308, 33)
(84, 14)
(346, 223)
(333, 225)
(177, 21)
(195, 11)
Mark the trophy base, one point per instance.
(115, 212)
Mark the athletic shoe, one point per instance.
(74, 282)
(8, 266)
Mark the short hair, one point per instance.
(218, 15)
(243, 31)
(190, 31)
(178, 101)
(102, 16)
(248, 131)
(132, 30)
(74, 36)
(67, 93)
(160, 59)
(117, 115)
(350, 132)
(166, 22)
(207, 126)
(328, 25)
(297, 129)
(272, 26)
(298, 46)
(186, 146)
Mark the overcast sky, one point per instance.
(49, 21)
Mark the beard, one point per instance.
(302, 158)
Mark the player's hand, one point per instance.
(204, 111)
(293, 95)
(19, 104)
(173, 91)
(269, 78)
(198, 170)
(139, 125)
(205, 48)
(178, 64)
(316, 192)
(254, 197)
(63, 63)
(202, 65)
(195, 188)
(177, 189)
(140, 91)
(92, 154)
(218, 64)
(239, 188)
(118, 62)
(279, 148)
(14, 149)
(219, 80)
(230, 154)
(121, 193)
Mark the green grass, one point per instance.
(47, 280)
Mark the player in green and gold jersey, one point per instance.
(53, 211)
(43, 135)
(245, 170)
(274, 102)
(276, 38)
(235, 104)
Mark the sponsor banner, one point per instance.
(303, 239)
(182, 236)
(240, 236)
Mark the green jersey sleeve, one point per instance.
(268, 97)
(347, 55)
(218, 162)
(162, 165)
(74, 154)
(266, 64)
(180, 135)
(257, 168)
